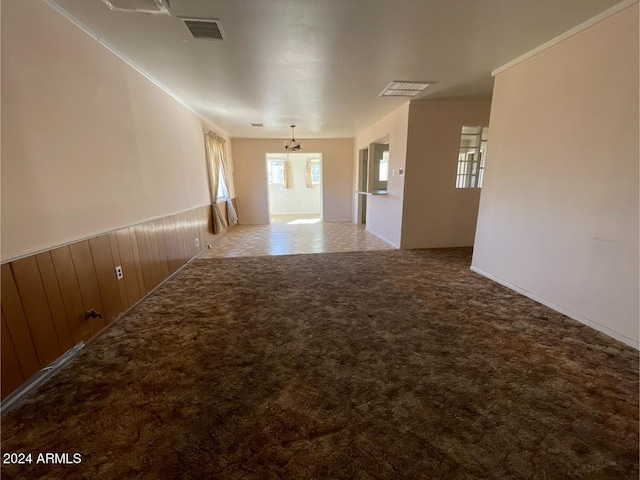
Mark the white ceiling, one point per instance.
(322, 63)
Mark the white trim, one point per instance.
(18, 396)
(381, 238)
(568, 34)
(210, 123)
(576, 316)
(51, 246)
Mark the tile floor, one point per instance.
(296, 219)
(292, 237)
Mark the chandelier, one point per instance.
(292, 145)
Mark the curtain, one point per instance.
(287, 181)
(308, 175)
(214, 147)
(231, 210)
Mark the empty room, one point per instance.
(320, 239)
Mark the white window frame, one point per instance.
(465, 176)
(270, 172)
(316, 172)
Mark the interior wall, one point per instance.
(384, 212)
(558, 216)
(89, 143)
(436, 213)
(251, 176)
(46, 297)
(298, 198)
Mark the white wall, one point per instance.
(89, 143)
(384, 213)
(436, 213)
(249, 156)
(558, 216)
(298, 198)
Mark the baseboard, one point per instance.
(575, 316)
(383, 239)
(18, 396)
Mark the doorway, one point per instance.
(294, 183)
(363, 184)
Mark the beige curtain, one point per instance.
(232, 216)
(308, 175)
(287, 181)
(215, 147)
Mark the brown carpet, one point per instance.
(381, 365)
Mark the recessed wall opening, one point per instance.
(294, 183)
(363, 184)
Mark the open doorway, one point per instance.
(294, 182)
(363, 184)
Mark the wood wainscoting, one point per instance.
(46, 296)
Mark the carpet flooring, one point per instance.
(363, 365)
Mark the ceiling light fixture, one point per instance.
(403, 88)
(292, 145)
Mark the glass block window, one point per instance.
(315, 172)
(471, 156)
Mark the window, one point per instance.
(473, 147)
(315, 172)
(275, 172)
(222, 194)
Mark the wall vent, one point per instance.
(257, 124)
(205, 28)
(403, 88)
(153, 7)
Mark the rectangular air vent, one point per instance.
(257, 124)
(205, 28)
(153, 7)
(402, 88)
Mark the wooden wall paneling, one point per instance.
(182, 244)
(106, 275)
(202, 232)
(150, 229)
(128, 266)
(174, 223)
(145, 257)
(88, 281)
(12, 376)
(137, 260)
(71, 296)
(194, 232)
(206, 216)
(17, 324)
(162, 248)
(172, 244)
(122, 286)
(209, 225)
(36, 309)
(190, 233)
(54, 299)
(223, 209)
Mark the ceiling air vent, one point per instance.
(403, 88)
(201, 28)
(153, 7)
